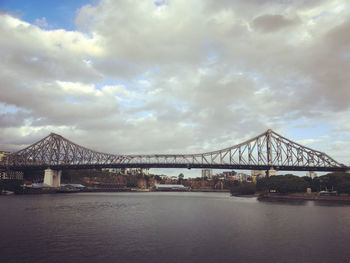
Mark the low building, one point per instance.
(136, 171)
(3, 154)
(164, 177)
(258, 173)
(242, 177)
(114, 170)
(228, 174)
(11, 175)
(207, 173)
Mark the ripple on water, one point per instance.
(170, 227)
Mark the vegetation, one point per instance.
(282, 184)
(158, 178)
(11, 185)
(180, 178)
(243, 188)
(131, 184)
(228, 184)
(293, 184)
(337, 181)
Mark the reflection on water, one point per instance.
(170, 227)
(307, 202)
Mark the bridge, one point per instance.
(267, 151)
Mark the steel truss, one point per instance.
(268, 150)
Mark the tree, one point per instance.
(282, 184)
(243, 188)
(180, 178)
(158, 178)
(338, 181)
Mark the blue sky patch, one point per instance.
(58, 14)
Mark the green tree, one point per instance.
(158, 178)
(243, 188)
(180, 178)
(282, 184)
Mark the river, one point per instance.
(170, 227)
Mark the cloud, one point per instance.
(42, 23)
(272, 23)
(179, 76)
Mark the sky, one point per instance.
(143, 77)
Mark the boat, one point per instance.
(67, 189)
(5, 192)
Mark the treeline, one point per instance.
(12, 185)
(289, 183)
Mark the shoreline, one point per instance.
(296, 197)
(38, 191)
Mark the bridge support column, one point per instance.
(52, 178)
(270, 172)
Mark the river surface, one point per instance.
(170, 227)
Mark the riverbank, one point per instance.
(303, 197)
(247, 196)
(52, 190)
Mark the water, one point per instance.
(170, 227)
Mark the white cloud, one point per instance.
(135, 72)
(42, 23)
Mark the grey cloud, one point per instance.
(212, 80)
(271, 23)
(16, 119)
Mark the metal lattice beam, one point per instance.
(268, 150)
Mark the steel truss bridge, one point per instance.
(266, 151)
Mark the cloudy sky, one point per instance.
(175, 76)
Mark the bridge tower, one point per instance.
(52, 177)
(269, 153)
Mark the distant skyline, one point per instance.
(175, 76)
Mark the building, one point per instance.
(242, 177)
(114, 170)
(3, 154)
(11, 175)
(164, 177)
(258, 173)
(229, 174)
(136, 171)
(207, 173)
(311, 174)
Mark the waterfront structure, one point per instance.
(170, 187)
(207, 173)
(268, 151)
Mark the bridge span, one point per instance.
(267, 151)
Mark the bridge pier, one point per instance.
(52, 177)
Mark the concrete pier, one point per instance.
(52, 177)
